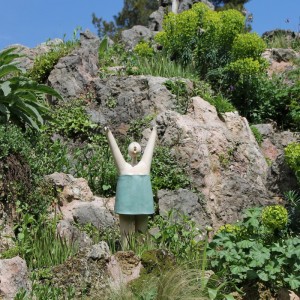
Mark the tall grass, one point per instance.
(162, 66)
(39, 244)
(281, 40)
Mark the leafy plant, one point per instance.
(21, 99)
(274, 217)
(293, 208)
(38, 242)
(251, 253)
(165, 172)
(179, 89)
(143, 49)
(44, 63)
(292, 157)
(70, 119)
(248, 45)
(179, 234)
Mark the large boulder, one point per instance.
(94, 272)
(184, 202)
(221, 156)
(74, 75)
(134, 97)
(88, 213)
(86, 272)
(156, 19)
(219, 153)
(28, 55)
(131, 37)
(280, 177)
(70, 188)
(13, 277)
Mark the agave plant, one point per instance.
(22, 100)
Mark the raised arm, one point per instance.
(148, 153)
(117, 155)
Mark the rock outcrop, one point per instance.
(76, 73)
(131, 37)
(13, 277)
(280, 177)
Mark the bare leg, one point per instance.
(127, 228)
(141, 223)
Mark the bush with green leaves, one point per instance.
(165, 171)
(275, 217)
(179, 234)
(292, 157)
(248, 45)
(44, 63)
(71, 120)
(22, 100)
(254, 253)
(179, 35)
(143, 49)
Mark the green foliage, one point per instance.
(282, 40)
(258, 136)
(38, 242)
(233, 23)
(70, 119)
(95, 163)
(161, 66)
(45, 291)
(136, 128)
(292, 157)
(254, 253)
(248, 45)
(179, 89)
(221, 104)
(274, 217)
(156, 65)
(44, 63)
(293, 207)
(245, 68)
(21, 99)
(179, 234)
(165, 172)
(143, 49)
(228, 4)
(179, 35)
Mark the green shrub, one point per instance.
(292, 157)
(143, 49)
(233, 23)
(71, 120)
(165, 171)
(275, 217)
(179, 234)
(179, 35)
(248, 45)
(256, 254)
(44, 64)
(245, 67)
(293, 207)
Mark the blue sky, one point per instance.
(32, 22)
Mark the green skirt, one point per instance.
(134, 195)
